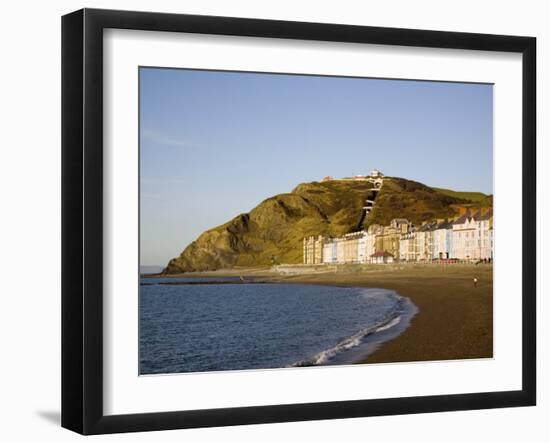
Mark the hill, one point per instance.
(472, 196)
(274, 230)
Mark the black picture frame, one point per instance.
(82, 218)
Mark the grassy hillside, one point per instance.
(472, 196)
(401, 198)
(274, 230)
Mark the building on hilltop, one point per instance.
(376, 177)
(376, 173)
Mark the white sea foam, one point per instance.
(390, 324)
(393, 318)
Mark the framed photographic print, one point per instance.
(269, 221)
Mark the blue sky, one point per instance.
(215, 144)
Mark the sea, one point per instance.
(210, 324)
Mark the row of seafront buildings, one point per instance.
(468, 237)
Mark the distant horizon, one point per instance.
(214, 144)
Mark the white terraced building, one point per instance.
(469, 238)
(408, 246)
(365, 247)
(329, 252)
(424, 241)
(442, 241)
(473, 236)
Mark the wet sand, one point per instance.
(455, 319)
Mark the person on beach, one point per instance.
(475, 282)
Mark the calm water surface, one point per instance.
(214, 327)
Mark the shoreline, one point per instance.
(359, 346)
(455, 319)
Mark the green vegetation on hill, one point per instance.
(401, 198)
(273, 231)
(472, 196)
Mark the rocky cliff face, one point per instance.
(274, 230)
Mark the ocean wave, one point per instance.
(392, 319)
